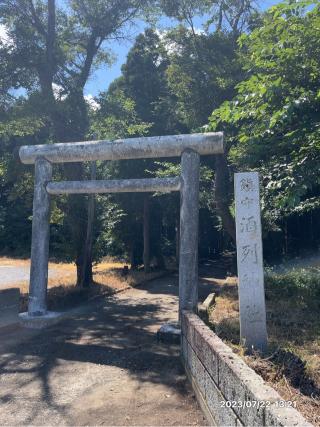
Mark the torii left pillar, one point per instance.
(189, 225)
(40, 239)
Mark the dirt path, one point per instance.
(102, 367)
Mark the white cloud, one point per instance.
(4, 36)
(93, 104)
(170, 45)
(59, 95)
(58, 92)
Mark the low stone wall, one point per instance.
(229, 392)
(9, 306)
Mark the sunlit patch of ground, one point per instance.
(109, 277)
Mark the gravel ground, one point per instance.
(104, 366)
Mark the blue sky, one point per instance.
(101, 79)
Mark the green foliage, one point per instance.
(203, 72)
(51, 50)
(273, 124)
(145, 82)
(117, 117)
(301, 284)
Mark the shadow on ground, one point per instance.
(103, 366)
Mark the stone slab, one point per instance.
(209, 301)
(40, 322)
(253, 329)
(169, 333)
(204, 308)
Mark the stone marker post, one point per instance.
(40, 239)
(253, 330)
(189, 224)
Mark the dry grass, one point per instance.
(62, 292)
(292, 365)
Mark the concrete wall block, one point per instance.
(206, 344)
(186, 327)
(184, 349)
(221, 376)
(206, 353)
(241, 384)
(197, 370)
(201, 375)
(189, 322)
(222, 415)
(239, 423)
(275, 415)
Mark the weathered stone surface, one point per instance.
(284, 417)
(253, 330)
(40, 322)
(209, 301)
(131, 148)
(240, 383)
(220, 375)
(188, 322)
(204, 308)
(169, 333)
(200, 398)
(184, 349)
(40, 239)
(239, 423)
(189, 225)
(223, 415)
(9, 306)
(202, 313)
(197, 370)
(160, 185)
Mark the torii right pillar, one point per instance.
(189, 226)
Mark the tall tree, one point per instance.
(208, 76)
(53, 52)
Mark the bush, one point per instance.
(302, 284)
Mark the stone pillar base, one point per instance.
(169, 333)
(39, 322)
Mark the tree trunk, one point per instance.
(222, 195)
(146, 234)
(76, 217)
(133, 257)
(68, 128)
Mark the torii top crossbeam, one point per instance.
(130, 148)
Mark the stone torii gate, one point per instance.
(189, 147)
